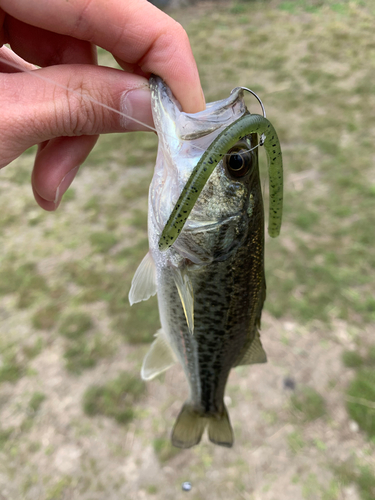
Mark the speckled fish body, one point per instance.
(210, 284)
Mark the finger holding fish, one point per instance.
(135, 32)
(35, 111)
(74, 101)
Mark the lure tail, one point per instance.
(190, 425)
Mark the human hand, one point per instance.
(60, 37)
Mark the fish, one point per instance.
(210, 280)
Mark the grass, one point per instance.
(361, 400)
(163, 448)
(4, 437)
(361, 476)
(36, 401)
(84, 346)
(353, 359)
(22, 279)
(360, 394)
(11, 370)
(115, 399)
(317, 6)
(46, 317)
(75, 325)
(84, 353)
(103, 241)
(32, 349)
(140, 322)
(310, 405)
(296, 442)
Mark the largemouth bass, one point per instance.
(210, 283)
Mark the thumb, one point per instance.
(69, 101)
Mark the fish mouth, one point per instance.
(192, 126)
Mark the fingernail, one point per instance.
(64, 184)
(136, 104)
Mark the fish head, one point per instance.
(218, 221)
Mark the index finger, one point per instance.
(134, 31)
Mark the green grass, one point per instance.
(140, 322)
(46, 317)
(69, 195)
(103, 241)
(75, 324)
(115, 399)
(84, 353)
(136, 324)
(164, 450)
(84, 274)
(352, 359)
(130, 150)
(36, 401)
(61, 489)
(296, 442)
(362, 476)
(317, 6)
(4, 437)
(11, 370)
(360, 394)
(361, 400)
(32, 349)
(308, 404)
(22, 279)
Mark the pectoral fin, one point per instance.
(254, 354)
(144, 281)
(159, 358)
(185, 291)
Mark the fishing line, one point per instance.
(77, 92)
(91, 99)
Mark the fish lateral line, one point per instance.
(89, 98)
(243, 126)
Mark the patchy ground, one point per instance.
(75, 420)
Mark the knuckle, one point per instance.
(82, 115)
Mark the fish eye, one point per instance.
(238, 161)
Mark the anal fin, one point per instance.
(144, 281)
(159, 358)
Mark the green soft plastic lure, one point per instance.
(246, 125)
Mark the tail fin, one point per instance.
(220, 431)
(190, 425)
